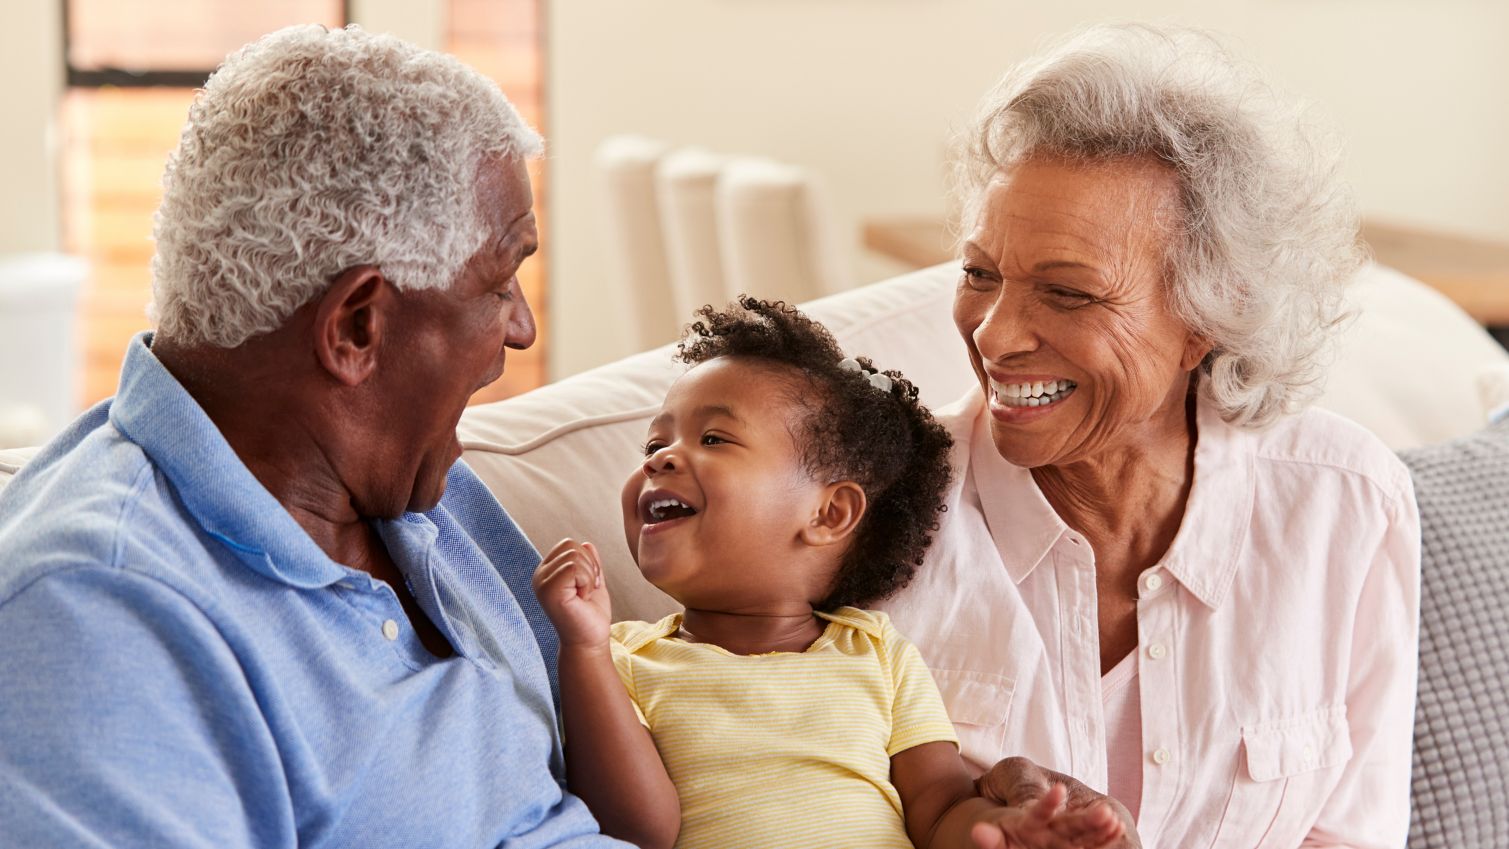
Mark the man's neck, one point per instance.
(252, 398)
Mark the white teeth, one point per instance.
(1035, 394)
(658, 507)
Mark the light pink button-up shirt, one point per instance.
(1276, 638)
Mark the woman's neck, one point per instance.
(1131, 499)
(789, 629)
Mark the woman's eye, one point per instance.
(1069, 295)
(977, 278)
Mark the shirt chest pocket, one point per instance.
(978, 704)
(1285, 772)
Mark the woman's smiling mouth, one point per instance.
(1038, 393)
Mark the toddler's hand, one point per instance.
(1046, 826)
(569, 585)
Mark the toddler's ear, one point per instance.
(837, 515)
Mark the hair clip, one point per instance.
(878, 380)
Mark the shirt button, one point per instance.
(1157, 651)
(1309, 754)
(390, 629)
(1152, 582)
(1161, 756)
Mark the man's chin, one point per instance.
(425, 496)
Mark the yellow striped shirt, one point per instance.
(789, 749)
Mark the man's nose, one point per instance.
(521, 330)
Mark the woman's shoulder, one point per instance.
(1319, 443)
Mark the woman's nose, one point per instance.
(1006, 328)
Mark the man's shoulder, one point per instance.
(92, 504)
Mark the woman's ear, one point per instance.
(1196, 348)
(837, 515)
(349, 323)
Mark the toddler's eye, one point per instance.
(652, 446)
(712, 439)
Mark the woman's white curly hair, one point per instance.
(308, 152)
(1268, 238)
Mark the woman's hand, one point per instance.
(569, 585)
(1020, 783)
(1044, 824)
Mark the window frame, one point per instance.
(123, 78)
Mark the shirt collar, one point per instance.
(1204, 553)
(154, 411)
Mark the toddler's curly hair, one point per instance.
(886, 441)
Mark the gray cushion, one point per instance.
(1461, 769)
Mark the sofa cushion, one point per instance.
(1461, 773)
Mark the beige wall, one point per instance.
(31, 62)
(865, 91)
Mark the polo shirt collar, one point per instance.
(154, 411)
(1204, 553)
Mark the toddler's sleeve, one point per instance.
(623, 661)
(917, 713)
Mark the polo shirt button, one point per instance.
(1152, 582)
(1157, 651)
(1161, 756)
(390, 630)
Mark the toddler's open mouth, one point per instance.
(657, 507)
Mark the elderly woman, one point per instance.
(254, 600)
(1159, 573)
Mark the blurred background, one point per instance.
(816, 131)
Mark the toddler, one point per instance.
(783, 488)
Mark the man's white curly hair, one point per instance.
(311, 151)
(1267, 241)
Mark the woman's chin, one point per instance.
(1021, 450)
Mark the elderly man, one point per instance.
(254, 600)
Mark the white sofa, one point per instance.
(1412, 367)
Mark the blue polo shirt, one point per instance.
(180, 664)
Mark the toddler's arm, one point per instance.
(611, 760)
(943, 810)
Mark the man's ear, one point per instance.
(350, 321)
(837, 516)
